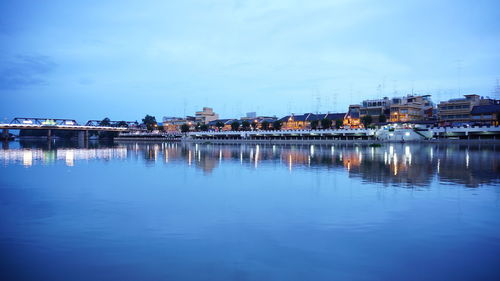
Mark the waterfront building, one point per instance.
(486, 114)
(455, 111)
(375, 108)
(227, 124)
(173, 124)
(411, 109)
(206, 115)
(259, 119)
(303, 122)
(351, 118)
(251, 115)
(297, 122)
(408, 108)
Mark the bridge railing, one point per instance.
(43, 121)
(103, 123)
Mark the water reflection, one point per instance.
(397, 164)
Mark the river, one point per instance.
(173, 211)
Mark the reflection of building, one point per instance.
(206, 115)
(459, 110)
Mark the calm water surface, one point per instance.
(163, 211)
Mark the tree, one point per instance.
(204, 127)
(326, 123)
(105, 122)
(245, 125)
(160, 128)
(235, 126)
(219, 125)
(150, 122)
(197, 127)
(338, 123)
(122, 124)
(277, 125)
(264, 125)
(314, 124)
(366, 120)
(254, 125)
(382, 118)
(185, 128)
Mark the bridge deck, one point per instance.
(62, 127)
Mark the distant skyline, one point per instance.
(125, 59)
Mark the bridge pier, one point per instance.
(83, 137)
(49, 134)
(5, 134)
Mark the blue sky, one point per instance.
(124, 59)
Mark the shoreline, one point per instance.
(306, 142)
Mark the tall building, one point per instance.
(411, 108)
(375, 108)
(408, 108)
(455, 111)
(206, 115)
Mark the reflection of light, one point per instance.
(70, 158)
(385, 157)
(312, 150)
(27, 158)
(241, 157)
(166, 156)
(408, 154)
(189, 158)
(220, 155)
(257, 149)
(395, 164)
(467, 159)
(407, 133)
(348, 165)
(432, 154)
(333, 150)
(439, 162)
(290, 162)
(391, 150)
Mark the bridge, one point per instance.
(51, 124)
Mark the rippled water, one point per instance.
(168, 211)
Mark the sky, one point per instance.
(125, 59)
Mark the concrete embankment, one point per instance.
(353, 141)
(146, 139)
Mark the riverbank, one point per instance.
(146, 139)
(339, 141)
